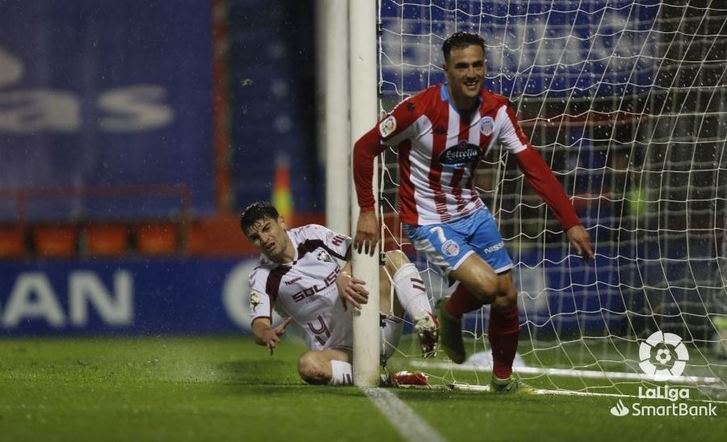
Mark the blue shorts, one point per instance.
(447, 245)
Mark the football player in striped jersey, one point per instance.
(440, 135)
(300, 275)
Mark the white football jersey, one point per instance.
(306, 288)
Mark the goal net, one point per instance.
(626, 100)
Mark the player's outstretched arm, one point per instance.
(351, 289)
(267, 335)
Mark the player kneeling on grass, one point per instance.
(299, 275)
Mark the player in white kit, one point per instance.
(300, 276)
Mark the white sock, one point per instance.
(342, 373)
(390, 335)
(411, 291)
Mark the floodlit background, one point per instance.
(131, 136)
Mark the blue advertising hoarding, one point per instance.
(165, 296)
(101, 95)
(537, 48)
(189, 296)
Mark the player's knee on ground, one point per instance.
(314, 369)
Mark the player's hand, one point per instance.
(351, 290)
(581, 241)
(367, 233)
(271, 337)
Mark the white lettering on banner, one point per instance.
(28, 111)
(33, 298)
(85, 288)
(134, 108)
(11, 69)
(36, 110)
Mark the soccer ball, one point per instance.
(663, 356)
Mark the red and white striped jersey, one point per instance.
(439, 151)
(305, 289)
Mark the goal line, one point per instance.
(538, 391)
(567, 372)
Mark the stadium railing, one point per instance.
(75, 234)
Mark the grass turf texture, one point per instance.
(231, 389)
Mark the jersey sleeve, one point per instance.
(399, 123)
(261, 306)
(511, 134)
(336, 244)
(390, 131)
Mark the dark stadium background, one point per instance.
(130, 139)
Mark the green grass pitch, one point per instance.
(230, 389)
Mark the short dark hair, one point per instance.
(461, 40)
(255, 212)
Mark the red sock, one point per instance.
(461, 302)
(503, 333)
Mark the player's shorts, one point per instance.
(447, 245)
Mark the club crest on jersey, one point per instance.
(462, 153)
(388, 126)
(487, 126)
(450, 248)
(324, 256)
(254, 301)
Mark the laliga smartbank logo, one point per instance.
(668, 350)
(663, 356)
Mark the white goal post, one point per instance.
(364, 107)
(348, 107)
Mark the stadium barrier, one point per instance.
(89, 232)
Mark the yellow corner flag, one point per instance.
(282, 197)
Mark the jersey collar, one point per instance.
(444, 95)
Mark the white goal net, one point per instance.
(627, 101)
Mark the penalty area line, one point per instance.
(409, 425)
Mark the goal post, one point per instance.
(333, 97)
(364, 106)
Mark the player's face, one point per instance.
(269, 236)
(465, 71)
